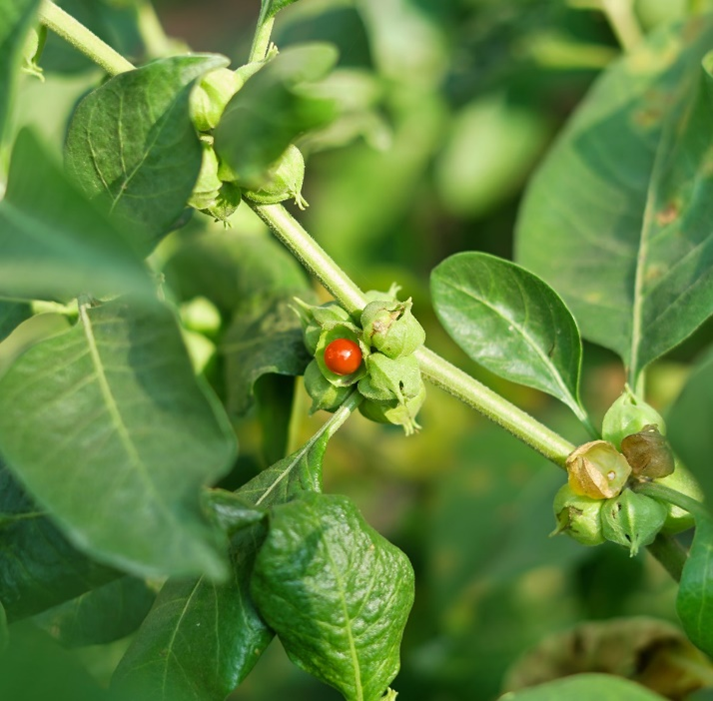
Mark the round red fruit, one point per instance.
(342, 356)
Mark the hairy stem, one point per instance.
(437, 370)
(261, 40)
(157, 44)
(662, 493)
(82, 39)
(623, 21)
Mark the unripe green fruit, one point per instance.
(597, 470)
(207, 187)
(324, 394)
(391, 328)
(284, 180)
(403, 415)
(210, 97)
(678, 519)
(632, 520)
(578, 516)
(629, 415)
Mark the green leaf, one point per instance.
(131, 144)
(112, 407)
(615, 219)
(12, 314)
(16, 18)
(274, 397)
(511, 322)
(265, 116)
(100, 616)
(694, 603)
(38, 567)
(4, 632)
(585, 687)
(264, 337)
(197, 626)
(54, 243)
(336, 592)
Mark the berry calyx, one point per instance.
(342, 356)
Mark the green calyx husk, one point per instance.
(207, 187)
(210, 97)
(578, 516)
(391, 327)
(283, 181)
(323, 393)
(32, 51)
(632, 520)
(627, 416)
(597, 470)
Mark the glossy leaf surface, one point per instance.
(131, 144)
(615, 219)
(11, 315)
(336, 592)
(124, 420)
(511, 322)
(585, 687)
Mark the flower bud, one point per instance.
(393, 412)
(648, 453)
(391, 380)
(391, 328)
(283, 181)
(632, 520)
(210, 97)
(332, 331)
(629, 415)
(207, 187)
(578, 516)
(597, 470)
(324, 394)
(678, 519)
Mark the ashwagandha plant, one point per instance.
(112, 440)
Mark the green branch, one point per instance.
(434, 368)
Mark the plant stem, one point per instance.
(261, 40)
(439, 371)
(670, 554)
(658, 491)
(623, 21)
(155, 40)
(82, 39)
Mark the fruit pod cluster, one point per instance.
(599, 501)
(372, 352)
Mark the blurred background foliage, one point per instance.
(446, 108)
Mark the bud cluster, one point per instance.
(382, 339)
(598, 502)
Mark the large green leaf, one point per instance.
(689, 424)
(16, 18)
(100, 616)
(11, 315)
(132, 145)
(615, 219)
(272, 109)
(53, 242)
(585, 687)
(107, 421)
(511, 322)
(201, 640)
(336, 592)
(694, 603)
(38, 567)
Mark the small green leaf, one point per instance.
(12, 314)
(336, 592)
(54, 243)
(511, 322)
(265, 337)
(615, 219)
(100, 616)
(16, 18)
(132, 145)
(265, 116)
(124, 419)
(585, 687)
(39, 569)
(694, 603)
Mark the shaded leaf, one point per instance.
(123, 420)
(4, 632)
(336, 592)
(694, 603)
(265, 116)
(585, 687)
(16, 19)
(38, 567)
(132, 145)
(54, 243)
(615, 219)
(511, 322)
(12, 314)
(274, 396)
(100, 616)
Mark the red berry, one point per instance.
(342, 356)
